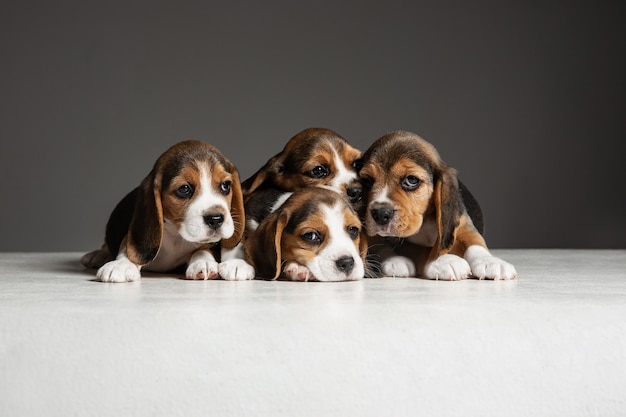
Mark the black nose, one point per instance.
(345, 264)
(355, 193)
(214, 220)
(382, 215)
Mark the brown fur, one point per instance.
(136, 225)
(436, 201)
(277, 239)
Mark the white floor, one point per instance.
(552, 343)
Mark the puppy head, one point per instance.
(313, 157)
(315, 228)
(406, 181)
(194, 187)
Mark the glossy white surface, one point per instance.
(552, 343)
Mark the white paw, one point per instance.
(120, 270)
(297, 272)
(202, 269)
(399, 267)
(448, 268)
(490, 267)
(236, 270)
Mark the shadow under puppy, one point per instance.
(314, 235)
(429, 222)
(188, 207)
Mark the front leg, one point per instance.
(486, 266)
(297, 272)
(202, 265)
(119, 270)
(233, 266)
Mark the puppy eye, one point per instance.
(319, 171)
(410, 183)
(357, 165)
(225, 187)
(313, 238)
(353, 231)
(184, 191)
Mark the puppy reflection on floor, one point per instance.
(315, 235)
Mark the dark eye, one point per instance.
(353, 231)
(357, 165)
(313, 238)
(225, 187)
(319, 171)
(184, 191)
(410, 183)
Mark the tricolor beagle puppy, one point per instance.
(188, 207)
(411, 194)
(314, 235)
(314, 157)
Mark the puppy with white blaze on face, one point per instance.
(427, 222)
(188, 208)
(314, 235)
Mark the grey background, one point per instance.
(525, 99)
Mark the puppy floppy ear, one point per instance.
(447, 201)
(363, 244)
(263, 247)
(146, 227)
(236, 212)
(271, 168)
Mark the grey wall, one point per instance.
(525, 99)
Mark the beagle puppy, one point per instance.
(314, 157)
(188, 207)
(427, 222)
(314, 235)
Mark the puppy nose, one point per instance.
(345, 264)
(355, 193)
(214, 220)
(382, 215)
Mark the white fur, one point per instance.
(343, 176)
(202, 265)
(486, 266)
(297, 272)
(338, 244)
(448, 267)
(398, 266)
(207, 201)
(119, 270)
(279, 202)
(382, 196)
(233, 266)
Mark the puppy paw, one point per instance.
(398, 267)
(490, 267)
(96, 258)
(202, 269)
(119, 270)
(448, 268)
(297, 272)
(236, 270)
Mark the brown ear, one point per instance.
(280, 227)
(273, 167)
(236, 212)
(447, 200)
(363, 244)
(146, 227)
(262, 247)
